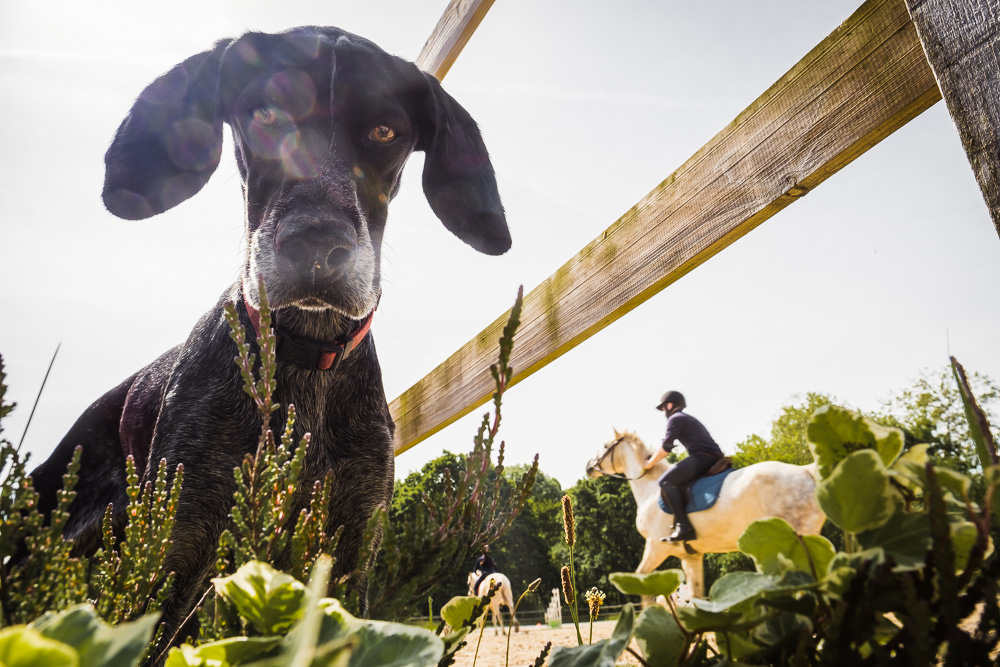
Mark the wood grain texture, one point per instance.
(961, 39)
(453, 30)
(864, 81)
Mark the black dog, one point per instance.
(323, 122)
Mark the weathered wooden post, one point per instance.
(961, 39)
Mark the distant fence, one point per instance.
(537, 616)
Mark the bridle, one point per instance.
(610, 451)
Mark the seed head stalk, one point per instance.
(532, 587)
(569, 573)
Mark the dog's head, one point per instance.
(323, 122)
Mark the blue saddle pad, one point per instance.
(704, 493)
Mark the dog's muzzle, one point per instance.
(314, 249)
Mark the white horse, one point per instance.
(759, 491)
(503, 596)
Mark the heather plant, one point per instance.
(475, 508)
(130, 580)
(254, 614)
(42, 571)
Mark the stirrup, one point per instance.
(683, 532)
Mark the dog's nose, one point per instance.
(313, 245)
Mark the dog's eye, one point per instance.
(382, 134)
(264, 115)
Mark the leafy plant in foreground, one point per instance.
(916, 583)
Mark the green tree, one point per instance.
(409, 504)
(523, 554)
(788, 435)
(931, 412)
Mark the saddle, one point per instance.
(703, 491)
(721, 466)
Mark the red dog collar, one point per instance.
(309, 353)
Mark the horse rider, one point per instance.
(703, 453)
(485, 566)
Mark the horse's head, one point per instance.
(614, 458)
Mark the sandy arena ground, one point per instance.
(527, 644)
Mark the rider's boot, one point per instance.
(683, 530)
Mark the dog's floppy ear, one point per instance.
(458, 177)
(169, 143)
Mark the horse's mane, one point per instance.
(634, 439)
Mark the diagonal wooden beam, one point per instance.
(860, 84)
(452, 32)
(962, 41)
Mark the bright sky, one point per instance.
(882, 271)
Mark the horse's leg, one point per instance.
(654, 553)
(694, 571)
(494, 614)
(510, 607)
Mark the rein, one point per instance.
(614, 475)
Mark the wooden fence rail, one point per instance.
(860, 84)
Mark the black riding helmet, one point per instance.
(675, 397)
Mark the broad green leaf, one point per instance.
(602, 654)
(304, 644)
(231, 651)
(837, 580)
(906, 537)
(377, 643)
(382, 644)
(774, 544)
(122, 644)
(844, 567)
(953, 481)
(908, 469)
(22, 646)
(732, 590)
(96, 642)
(857, 559)
(782, 628)
(834, 433)
(699, 620)
(888, 441)
(735, 645)
(270, 600)
(658, 636)
(963, 539)
(914, 477)
(336, 622)
(857, 496)
(821, 551)
(75, 626)
(661, 582)
(916, 454)
(458, 611)
(804, 605)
